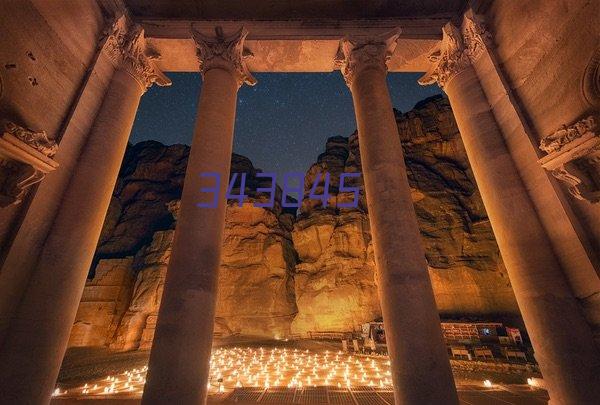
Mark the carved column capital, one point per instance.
(25, 158)
(574, 157)
(476, 36)
(126, 46)
(448, 59)
(457, 50)
(355, 55)
(227, 53)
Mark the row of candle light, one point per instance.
(265, 368)
(129, 382)
(295, 368)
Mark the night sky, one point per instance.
(282, 123)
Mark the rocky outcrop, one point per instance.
(335, 280)
(464, 261)
(151, 176)
(256, 284)
(104, 301)
(136, 328)
(256, 293)
(283, 273)
(335, 283)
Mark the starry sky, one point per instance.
(282, 123)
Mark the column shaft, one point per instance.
(179, 361)
(37, 338)
(420, 368)
(563, 342)
(29, 240)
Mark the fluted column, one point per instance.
(37, 337)
(561, 338)
(179, 360)
(420, 367)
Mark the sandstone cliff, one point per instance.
(283, 274)
(335, 280)
(465, 265)
(256, 292)
(151, 176)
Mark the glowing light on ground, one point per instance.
(232, 368)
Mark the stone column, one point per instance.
(179, 360)
(420, 367)
(37, 337)
(562, 340)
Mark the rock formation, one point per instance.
(256, 293)
(151, 176)
(335, 283)
(105, 299)
(283, 274)
(464, 261)
(136, 328)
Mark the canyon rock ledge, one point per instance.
(284, 274)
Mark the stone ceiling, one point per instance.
(292, 35)
(290, 9)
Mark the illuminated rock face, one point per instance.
(335, 280)
(136, 328)
(335, 285)
(103, 303)
(465, 266)
(256, 288)
(282, 275)
(256, 284)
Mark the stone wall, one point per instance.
(533, 43)
(551, 83)
(283, 274)
(46, 48)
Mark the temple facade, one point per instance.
(523, 79)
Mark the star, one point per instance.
(281, 124)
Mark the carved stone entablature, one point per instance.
(590, 84)
(357, 54)
(564, 137)
(457, 50)
(25, 158)
(574, 157)
(126, 45)
(227, 53)
(36, 140)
